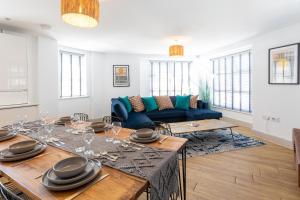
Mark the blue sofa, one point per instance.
(144, 119)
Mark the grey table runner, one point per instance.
(158, 166)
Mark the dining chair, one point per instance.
(110, 119)
(81, 116)
(10, 192)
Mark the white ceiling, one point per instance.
(149, 26)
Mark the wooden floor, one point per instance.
(266, 173)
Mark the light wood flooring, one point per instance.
(260, 173)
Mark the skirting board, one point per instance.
(237, 122)
(274, 139)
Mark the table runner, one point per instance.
(158, 166)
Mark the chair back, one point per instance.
(81, 116)
(10, 193)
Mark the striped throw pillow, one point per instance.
(164, 102)
(137, 103)
(193, 101)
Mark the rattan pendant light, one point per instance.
(176, 50)
(80, 13)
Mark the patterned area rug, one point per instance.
(202, 143)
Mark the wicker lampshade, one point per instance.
(176, 50)
(80, 13)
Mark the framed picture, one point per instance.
(284, 65)
(121, 76)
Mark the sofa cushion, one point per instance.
(137, 103)
(126, 102)
(121, 111)
(166, 114)
(138, 120)
(164, 102)
(199, 114)
(193, 101)
(150, 103)
(182, 102)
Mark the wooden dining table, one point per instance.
(117, 186)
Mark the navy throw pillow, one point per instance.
(121, 111)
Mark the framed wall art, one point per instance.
(284, 65)
(121, 76)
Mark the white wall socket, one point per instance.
(270, 118)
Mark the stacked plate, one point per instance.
(22, 150)
(71, 173)
(144, 135)
(63, 120)
(5, 134)
(98, 126)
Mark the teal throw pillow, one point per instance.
(183, 102)
(126, 102)
(150, 103)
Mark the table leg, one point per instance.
(183, 162)
(231, 134)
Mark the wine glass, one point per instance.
(88, 137)
(49, 127)
(43, 117)
(116, 128)
(107, 134)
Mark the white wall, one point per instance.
(271, 100)
(47, 75)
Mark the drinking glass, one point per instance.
(88, 137)
(43, 117)
(21, 120)
(15, 127)
(49, 128)
(116, 128)
(107, 134)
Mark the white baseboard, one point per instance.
(237, 122)
(274, 139)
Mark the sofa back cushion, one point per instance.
(164, 102)
(193, 101)
(137, 103)
(121, 111)
(183, 102)
(126, 102)
(150, 103)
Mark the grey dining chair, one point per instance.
(10, 192)
(81, 116)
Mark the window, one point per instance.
(73, 70)
(232, 81)
(170, 78)
(14, 70)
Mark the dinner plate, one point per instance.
(133, 139)
(143, 138)
(8, 154)
(23, 156)
(102, 129)
(56, 180)
(56, 187)
(8, 136)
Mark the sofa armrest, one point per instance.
(202, 105)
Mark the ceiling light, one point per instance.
(80, 13)
(176, 50)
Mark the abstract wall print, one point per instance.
(121, 76)
(284, 65)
